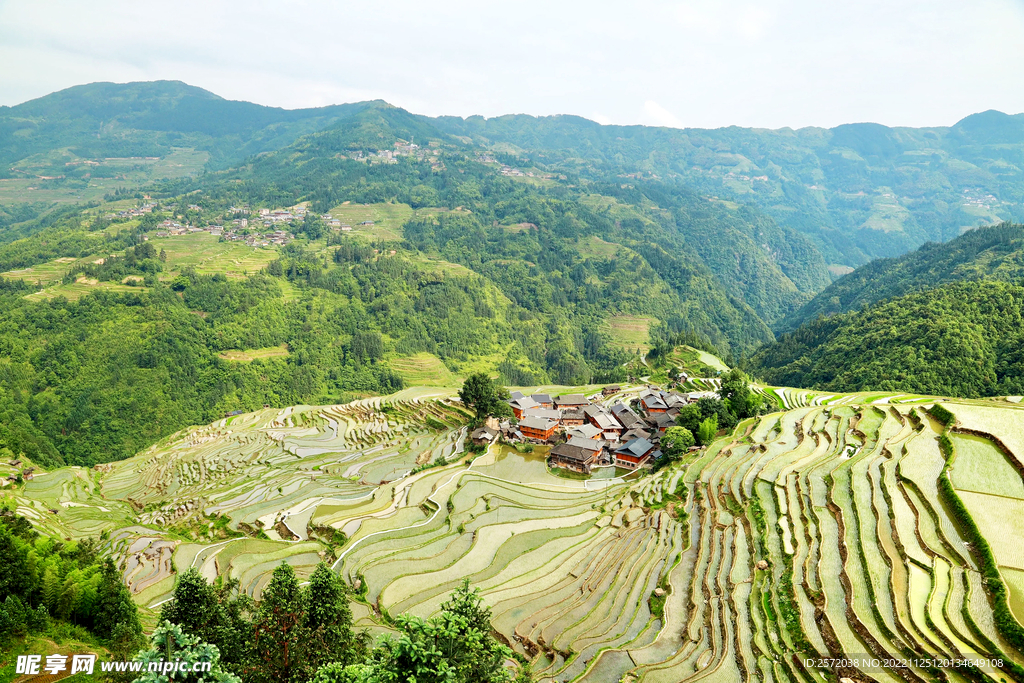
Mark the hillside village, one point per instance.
(596, 431)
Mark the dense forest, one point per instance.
(960, 339)
(995, 252)
(858, 191)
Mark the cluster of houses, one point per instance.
(402, 149)
(135, 212)
(584, 434)
(27, 473)
(170, 228)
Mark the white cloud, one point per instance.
(659, 116)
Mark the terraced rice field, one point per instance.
(824, 530)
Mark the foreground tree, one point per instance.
(115, 611)
(327, 621)
(214, 615)
(171, 644)
(279, 644)
(484, 396)
(454, 647)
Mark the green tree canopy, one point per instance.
(485, 397)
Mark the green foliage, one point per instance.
(484, 397)
(846, 192)
(741, 400)
(707, 430)
(103, 377)
(42, 578)
(454, 647)
(676, 442)
(689, 418)
(962, 339)
(328, 621)
(217, 616)
(171, 644)
(280, 645)
(995, 252)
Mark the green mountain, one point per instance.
(551, 263)
(150, 119)
(860, 191)
(857, 191)
(995, 252)
(961, 339)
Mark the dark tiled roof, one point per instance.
(524, 403)
(571, 400)
(564, 450)
(540, 423)
(587, 444)
(636, 447)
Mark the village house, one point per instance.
(611, 389)
(637, 433)
(543, 399)
(586, 431)
(522, 404)
(484, 435)
(538, 428)
(626, 417)
(603, 420)
(659, 422)
(571, 401)
(546, 413)
(652, 403)
(570, 457)
(572, 417)
(633, 454)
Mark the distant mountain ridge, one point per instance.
(149, 118)
(859, 191)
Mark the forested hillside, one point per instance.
(857, 191)
(150, 119)
(537, 250)
(860, 191)
(961, 339)
(995, 252)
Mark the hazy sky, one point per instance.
(705, 63)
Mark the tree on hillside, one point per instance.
(741, 400)
(484, 396)
(689, 418)
(313, 226)
(707, 430)
(115, 612)
(214, 616)
(676, 442)
(279, 639)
